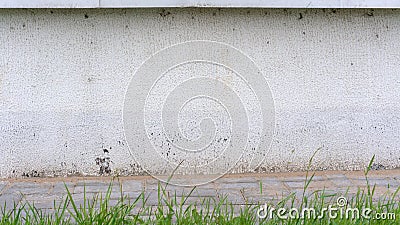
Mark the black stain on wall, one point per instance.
(165, 13)
(104, 163)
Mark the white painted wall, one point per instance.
(199, 3)
(334, 74)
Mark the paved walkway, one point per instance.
(239, 188)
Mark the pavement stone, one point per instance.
(260, 198)
(2, 186)
(29, 188)
(272, 186)
(239, 186)
(204, 192)
(132, 195)
(234, 197)
(339, 180)
(384, 182)
(8, 200)
(293, 179)
(43, 201)
(320, 185)
(361, 182)
(60, 188)
(95, 187)
(132, 185)
(240, 179)
(294, 184)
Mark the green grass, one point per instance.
(172, 209)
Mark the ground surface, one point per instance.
(238, 188)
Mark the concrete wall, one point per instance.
(334, 76)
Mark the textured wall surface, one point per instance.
(334, 76)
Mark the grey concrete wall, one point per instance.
(334, 76)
